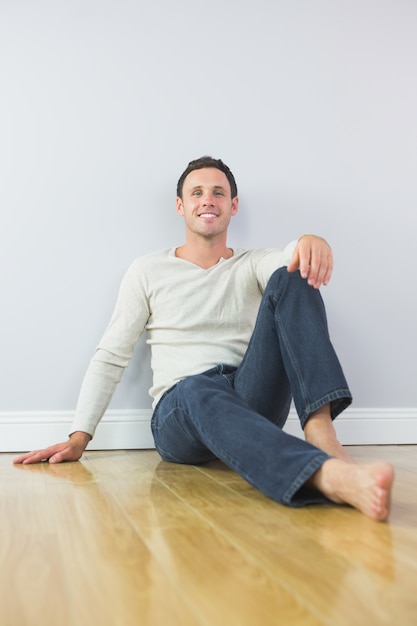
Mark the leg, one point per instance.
(290, 354)
(320, 432)
(203, 418)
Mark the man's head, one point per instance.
(204, 162)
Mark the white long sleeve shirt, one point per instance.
(194, 319)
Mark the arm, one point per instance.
(103, 374)
(70, 450)
(96, 392)
(313, 257)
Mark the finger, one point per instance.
(314, 270)
(317, 274)
(23, 458)
(37, 456)
(319, 279)
(19, 459)
(325, 270)
(321, 266)
(32, 457)
(305, 263)
(294, 263)
(302, 256)
(329, 271)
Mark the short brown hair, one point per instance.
(207, 161)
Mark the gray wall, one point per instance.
(312, 103)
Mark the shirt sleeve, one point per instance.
(271, 259)
(113, 352)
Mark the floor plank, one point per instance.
(29, 551)
(124, 538)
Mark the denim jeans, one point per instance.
(237, 414)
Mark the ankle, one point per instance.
(323, 480)
(319, 423)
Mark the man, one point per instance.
(235, 335)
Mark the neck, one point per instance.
(205, 254)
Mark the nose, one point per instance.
(207, 199)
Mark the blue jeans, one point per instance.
(237, 414)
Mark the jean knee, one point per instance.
(282, 277)
(176, 429)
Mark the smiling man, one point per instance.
(235, 336)
(206, 203)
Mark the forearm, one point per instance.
(96, 392)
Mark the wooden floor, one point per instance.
(122, 538)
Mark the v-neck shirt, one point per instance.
(194, 319)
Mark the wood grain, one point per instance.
(124, 538)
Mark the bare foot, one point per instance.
(330, 444)
(320, 432)
(367, 487)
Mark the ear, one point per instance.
(180, 209)
(235, 205)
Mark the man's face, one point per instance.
(206, 203)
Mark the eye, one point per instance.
(197, 192)
(219, 193)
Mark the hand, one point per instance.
(313, 257)
(70, 450)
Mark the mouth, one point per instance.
(207, 216)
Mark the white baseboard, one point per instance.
(379, 426)
(130, 429)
